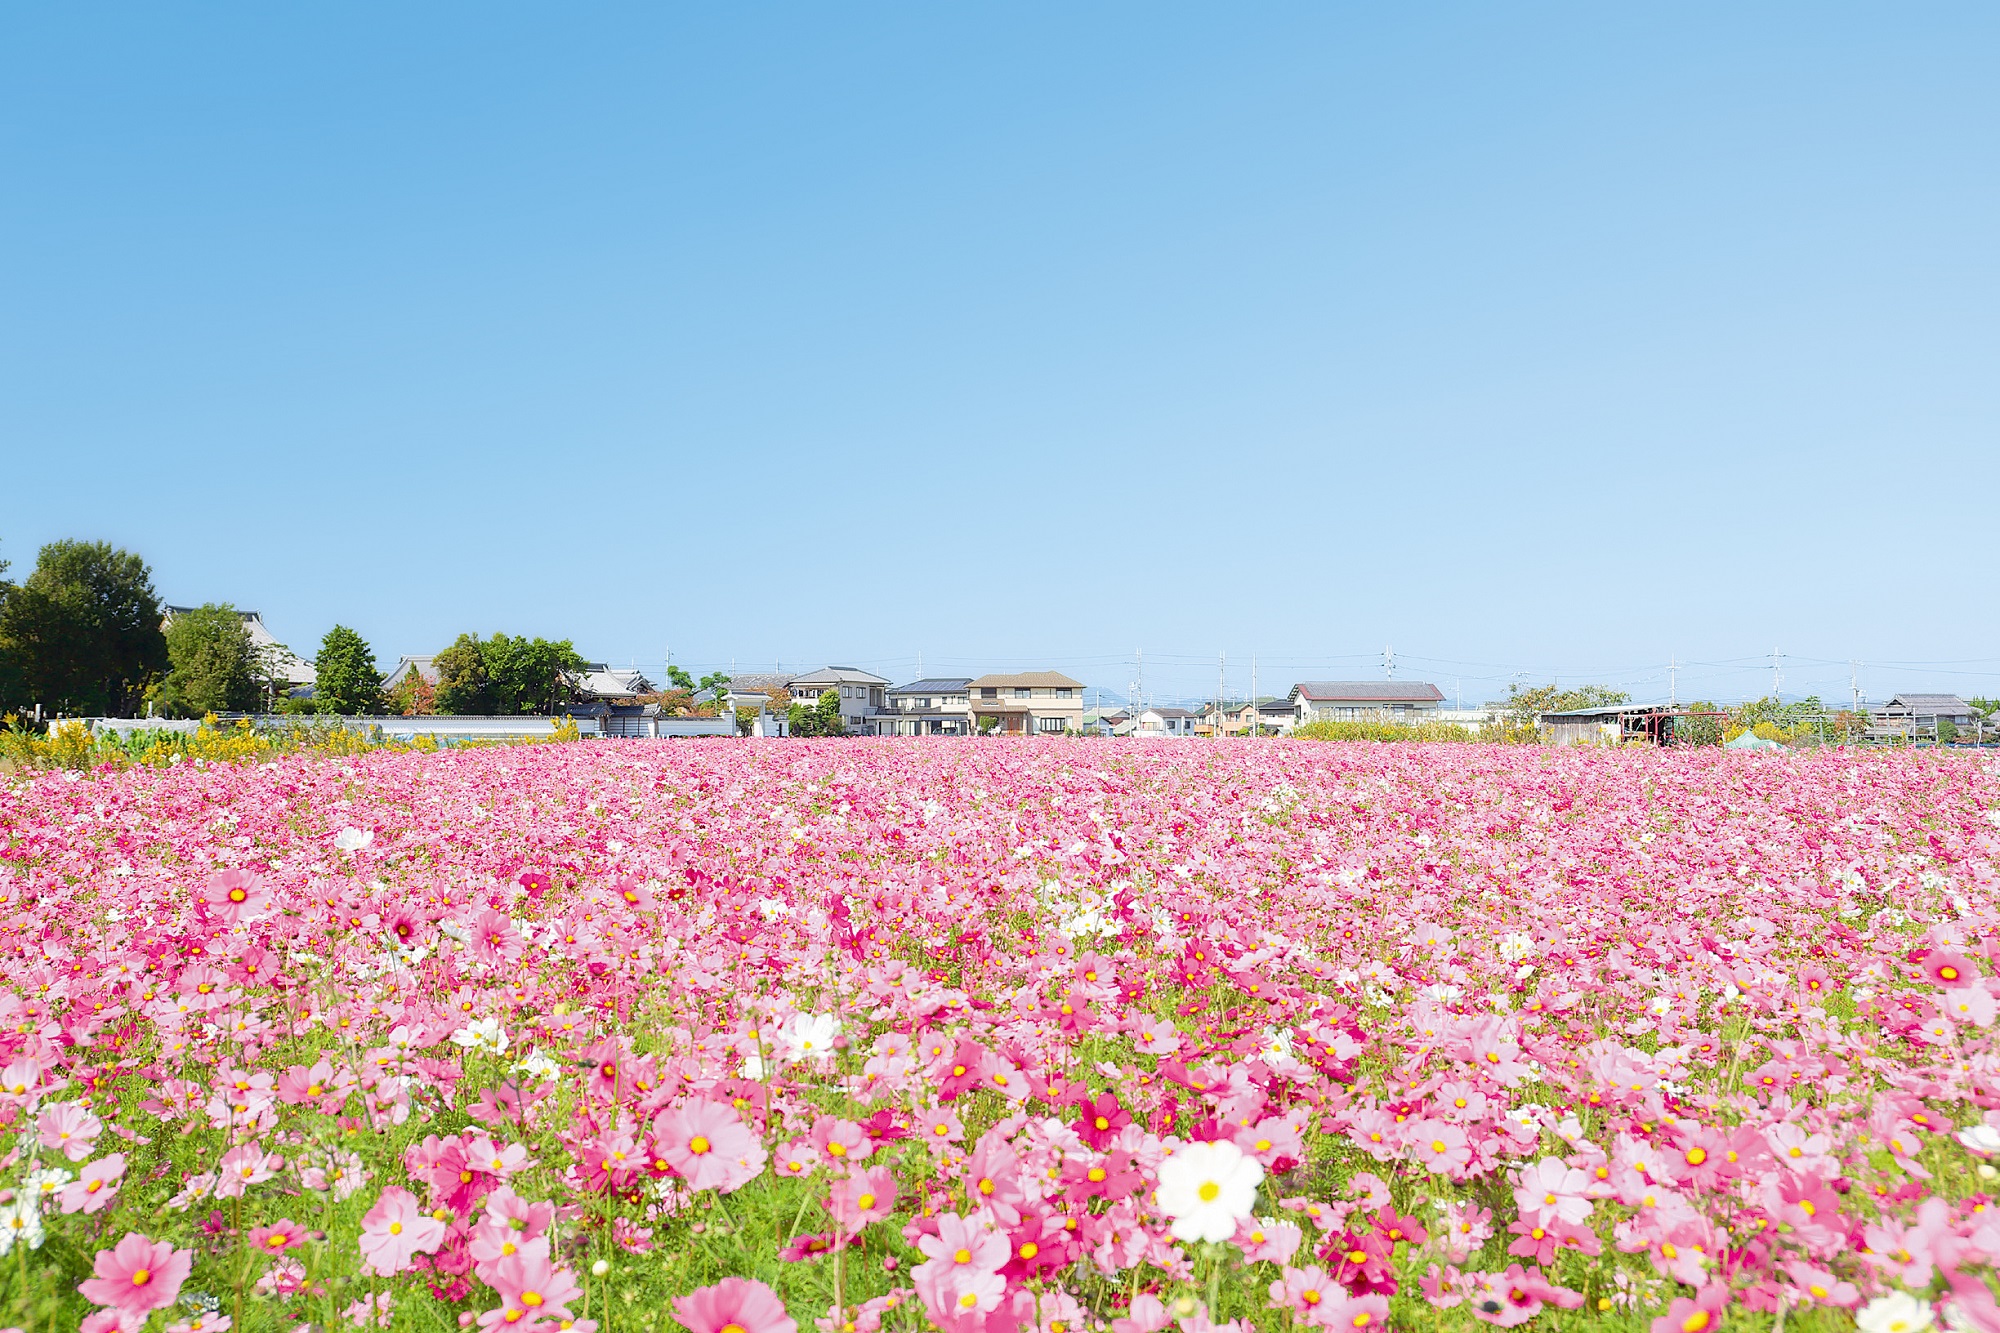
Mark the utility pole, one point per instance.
(1673, 684)
(1388, 663)
(1256, 709)
(1854, 683)
(1221, 682)
(1777, 675)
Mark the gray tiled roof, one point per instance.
(1371, 691)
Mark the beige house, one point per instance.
(1028, 703)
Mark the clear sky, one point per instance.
(1521, 338)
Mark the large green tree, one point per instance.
(463, 686)
(214, 664)
(531, 675)
(506, 675)
(345, 679)
(81, 634)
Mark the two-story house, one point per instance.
(1028, 703)
(863, 695)
(936, 706)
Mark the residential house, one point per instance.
(935, 706)
(1104, 722)
(1919, 716)
(863, 695)
(1364, 701)
(1040, 703)
(1159, 720)
(1267, 716)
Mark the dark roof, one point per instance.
(1170, 712)
(935, 685)
(1371, 691)
(1949, 702)
(760, 680)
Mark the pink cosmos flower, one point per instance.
(708, 1144)
(1354, 1314)
(236, 895)
(863, 1199)
(1701, 1313)
(138, 1275)
(1550, 1192)
(395, 1231)
(484, 1155)
(95, 1186)
(1268, 1241)
(530, 1287)
(70, 1129)
(1305, 1291)
(734, 1305)
(243, 1166)
(1440, 1146)
(277, 1237)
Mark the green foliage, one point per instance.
(81, 634)
(821, 719)
(1985, 707)
(1328, 729)
(213, 664)
(463, 687)
(504, 675)
(346, 682)
(679, 678)
(1524, 705)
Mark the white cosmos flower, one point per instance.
(21, 1223)
(1897, 1312)
(809, 1036)
(485, 1035)
(539, 1066)
(353, 839)
(1207, 1188)
(1982, 1139)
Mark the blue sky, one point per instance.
(1544, 339)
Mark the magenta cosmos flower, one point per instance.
(734, 1305)
(138, 1276)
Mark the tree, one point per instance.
(1525, 706)
(81, 634)
(820, 719)
(531, 675)
(346, 681)
(506, 675)
(463, 686)
(213, 663)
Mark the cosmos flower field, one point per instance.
(753, 1037)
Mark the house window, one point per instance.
(1023, 692)
(1062, 691)
(1049, 724)
(989, 692)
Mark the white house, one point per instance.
(862, 693)
(1161, 721)
(935, 706)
